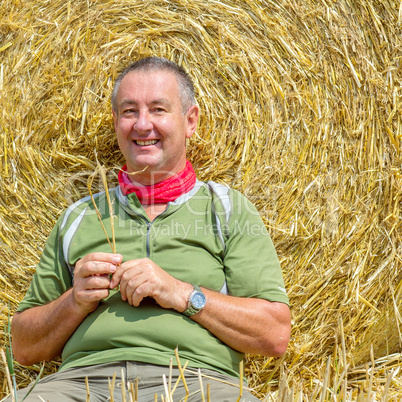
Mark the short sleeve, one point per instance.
(251, 264)
(52, 277)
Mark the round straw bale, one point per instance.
(300, 110)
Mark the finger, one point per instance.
(103, 257)
(137, 283)
(90, 295)
(128, 282)
(141, 291)
(92, 268)
(136, 289)
(106, 258)
(132, 278)
(123, 268)
(97, 282)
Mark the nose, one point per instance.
(143, 122)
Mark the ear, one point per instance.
(114, 119)
(192, 120)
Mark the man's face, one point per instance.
(150, 126)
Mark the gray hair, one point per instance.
(186, 86)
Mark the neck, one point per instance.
(153, 210)
(159, 191)
(150, 177)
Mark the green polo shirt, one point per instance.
(211, 236)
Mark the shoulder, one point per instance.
(228, 200)
(85, 206)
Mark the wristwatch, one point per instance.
(196, 302)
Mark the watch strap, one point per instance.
(191, 309)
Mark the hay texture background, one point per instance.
(301, 110)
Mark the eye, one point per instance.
(129, 111)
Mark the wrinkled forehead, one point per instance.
(149, 85)
(144, 78)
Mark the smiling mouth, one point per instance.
(145, 143)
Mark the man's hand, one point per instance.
(41, 332)
(228, 318)
(143, 278)
(91, 279)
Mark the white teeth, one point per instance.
(151, 142)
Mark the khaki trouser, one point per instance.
(69, 384)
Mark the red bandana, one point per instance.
(159, 193)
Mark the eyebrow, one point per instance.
(127, 102)
(161, 101)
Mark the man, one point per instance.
(194, 268)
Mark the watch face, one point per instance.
(198, 300)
